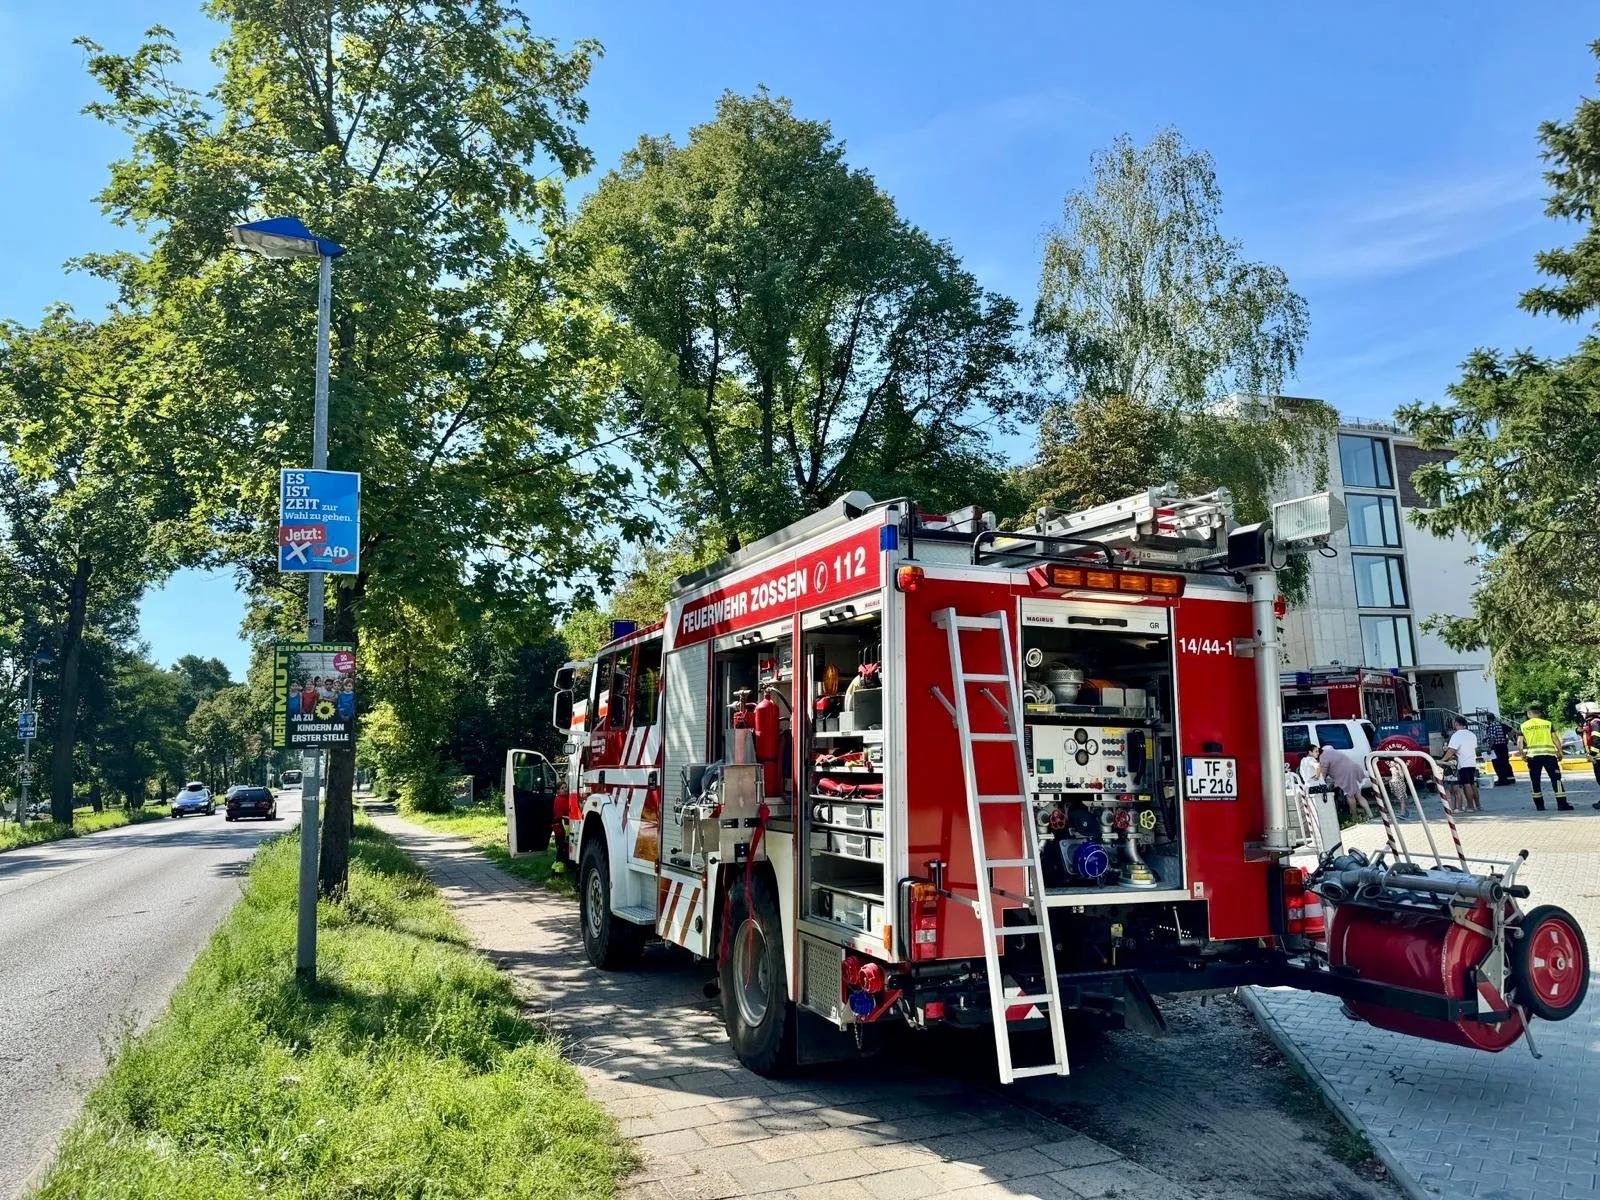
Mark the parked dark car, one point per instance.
(246, 801)
(194, 798)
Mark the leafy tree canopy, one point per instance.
(96, 505)
(795, 337)
(467, 387)
(1168, 345)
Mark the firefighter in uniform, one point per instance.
(1543, 754)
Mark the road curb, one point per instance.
(1402, 1176)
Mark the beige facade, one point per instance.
(1368, 604)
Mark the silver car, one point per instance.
(194, 798)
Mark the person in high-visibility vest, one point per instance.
(1543, 753)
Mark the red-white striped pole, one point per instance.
(1450, 820)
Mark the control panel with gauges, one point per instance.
(1093, 785)
(1106, 759)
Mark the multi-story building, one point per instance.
(1368, 604)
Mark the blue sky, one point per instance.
(1384, 155)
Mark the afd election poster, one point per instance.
(319, 521)
(314, 695)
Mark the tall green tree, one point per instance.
(432, 142)
(97, 508)
(140, 742)
(1163, 340)
(1523, 479)
(218, 733)
(795, 336)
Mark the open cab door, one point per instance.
(530, 800)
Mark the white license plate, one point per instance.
(1211, 778)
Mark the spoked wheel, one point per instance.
(755, 995)
(1550, 963)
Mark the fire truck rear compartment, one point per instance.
(1098, 711)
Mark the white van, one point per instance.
(1357, 737)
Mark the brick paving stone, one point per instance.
(1465, 1123)
(651, 1048)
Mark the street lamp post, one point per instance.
(286, 237)
(34, 659)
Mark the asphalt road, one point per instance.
(94, 934)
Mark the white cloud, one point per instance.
(1409, 228)
(957, 137)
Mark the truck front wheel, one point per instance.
(609, 941)
(755, 991)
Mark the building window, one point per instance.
(1380, 581)
(1364, 461)
(1373, 520)
(1386, 642)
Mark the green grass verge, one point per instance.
(86, 821)
(407, 1070)
(485, 828)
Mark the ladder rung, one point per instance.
(1008, 930)
(986, 679)
(1025, 1072)
(1039, 999)
(977, 622)
(1001, 799)
(992, 737)
(1009, 862)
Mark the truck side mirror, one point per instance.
(565, 675)
(561, 717)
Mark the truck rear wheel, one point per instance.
(755, 989)
(610, 942)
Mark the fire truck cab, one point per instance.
(886, 765)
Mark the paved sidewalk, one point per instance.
(1465, 1123)
(651, 1047)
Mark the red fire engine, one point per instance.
(890, 766)
(1347, 693)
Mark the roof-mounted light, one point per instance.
(1136, 583)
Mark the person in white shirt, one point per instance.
(1465, 743)
(1310, 770)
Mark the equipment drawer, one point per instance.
(850, 816)
(849, 908)
(863, 846)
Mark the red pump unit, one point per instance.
(1427, 953)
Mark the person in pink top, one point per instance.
(1346, 773)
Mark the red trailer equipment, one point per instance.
(885, 766)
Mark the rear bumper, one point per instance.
(1130, 994)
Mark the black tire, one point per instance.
(610, 942)
(227, 816)
(754, 979)
(1550, 963)
(175, 814)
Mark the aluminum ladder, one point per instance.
(978, 802)
(1158, 527)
